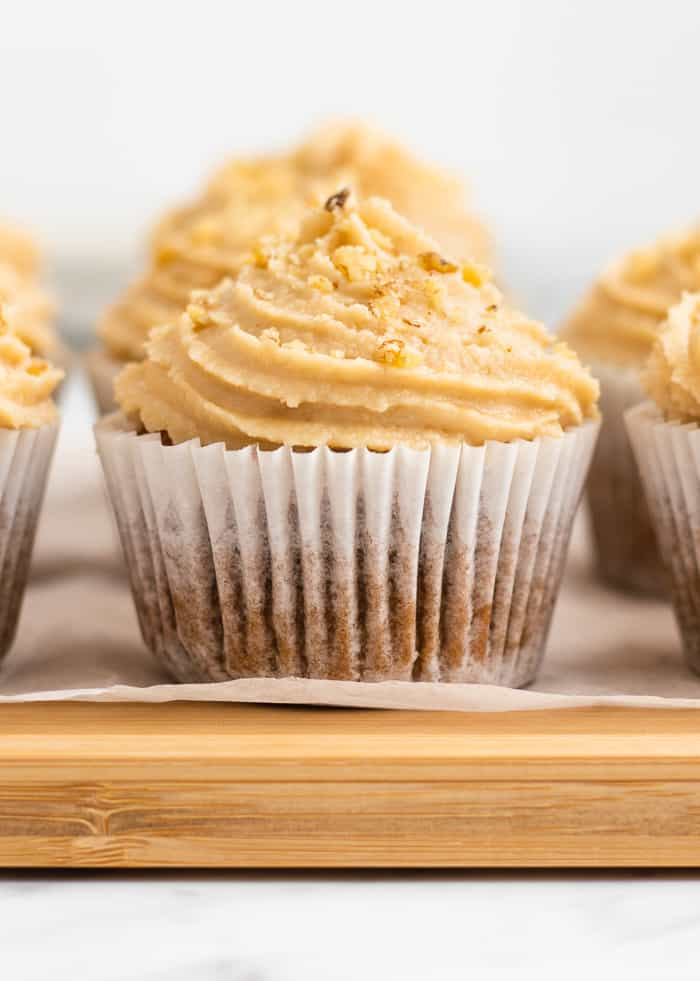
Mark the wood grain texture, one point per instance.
(187, 784)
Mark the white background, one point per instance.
(577, 122)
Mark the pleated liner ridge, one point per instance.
(626, 551)
(25, 456)
(668, 454)
(431, 565)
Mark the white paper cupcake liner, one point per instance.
(25, 456)
(431, 565)
(102, 369)
(668, 454)
(627, 555)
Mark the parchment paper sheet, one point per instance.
(78, 637)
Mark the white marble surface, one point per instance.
(333, 927)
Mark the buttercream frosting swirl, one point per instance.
(672, 374)
(29, 311)
(26, 383)
(357, 331)
(619, 319)
(196, 246)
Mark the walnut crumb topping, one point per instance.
(354, 262)
(474, 274)
(395, 354)
(260, 258)
(198, 315)
(337, 200)
(321, 283)
(434, 262)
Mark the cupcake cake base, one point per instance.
(425, 565)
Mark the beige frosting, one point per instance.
(356, 332)
(28, 311)
(26, 305)
(198, 245)
(26, 383)
(672, 374)
(619, 319)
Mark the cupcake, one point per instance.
(28, 428)
(352, 461)
(665, 437)
(198, 245)
(27, 306)
(613, 330)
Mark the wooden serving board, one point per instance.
(187, 784)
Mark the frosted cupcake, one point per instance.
(666, 440)
(613, 330)
(28, 428)
(198, 245)
(352, 461)
(27, 306)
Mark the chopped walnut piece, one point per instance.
(321, 283)
(434, 262)
(475, 274)
(394, 353)
(354, 262)
(37, 366)
(198, 315)
(435, 292)
(337, 200)
(260, 257)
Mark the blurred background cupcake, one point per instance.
(27, 306)
(197, 245)
(28, 429)
(352, 461)
(613, 329)
(666, 440)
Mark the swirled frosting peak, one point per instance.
(198, 245)
(619, 319)
(672, 375)
(358, 331)
(26, 383)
